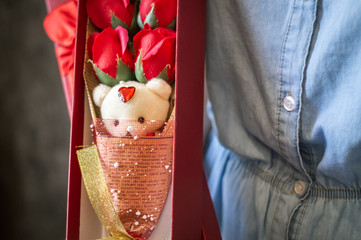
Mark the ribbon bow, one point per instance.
(60, 26)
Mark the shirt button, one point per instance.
(299, 187)
(289, 103)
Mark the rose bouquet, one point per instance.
(129, 76)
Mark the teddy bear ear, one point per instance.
(159, 87)
(99, 93)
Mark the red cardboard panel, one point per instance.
(210, 229)
(188, 141)
(76, 137)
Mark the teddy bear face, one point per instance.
(135, 108)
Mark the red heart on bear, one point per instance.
(126, 93)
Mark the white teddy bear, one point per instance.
(136, 102)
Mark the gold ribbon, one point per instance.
(98, 193)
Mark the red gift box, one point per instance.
(192, 212)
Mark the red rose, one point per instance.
(155, 54)
(106, 13)
(112, 60)
(158, 13)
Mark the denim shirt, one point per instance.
(283, 160)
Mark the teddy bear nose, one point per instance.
(141, 119)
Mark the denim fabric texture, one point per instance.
(283, 160)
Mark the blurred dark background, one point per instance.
(35, 127)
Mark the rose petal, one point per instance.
(161, 55)
(123, 37)
(90, 43)
(127, 56)
(128, 59)
(165, 11)
(165, 32)
(158, 51)
(126, 3)
(106, 49)
(144, 8)
(146, 39)
(171, 73)
(99, 11)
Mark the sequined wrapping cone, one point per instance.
(137, 168)
(138, 173)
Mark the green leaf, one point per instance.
(139, 21)
(139, 74)
(116, 22)
(134, 28)
(163, 74)
(151, 19)
(172, 24)
(130, 46)
(105, 78)
(123, 71)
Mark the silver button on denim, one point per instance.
(289, 103)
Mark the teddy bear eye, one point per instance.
(141, 119)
